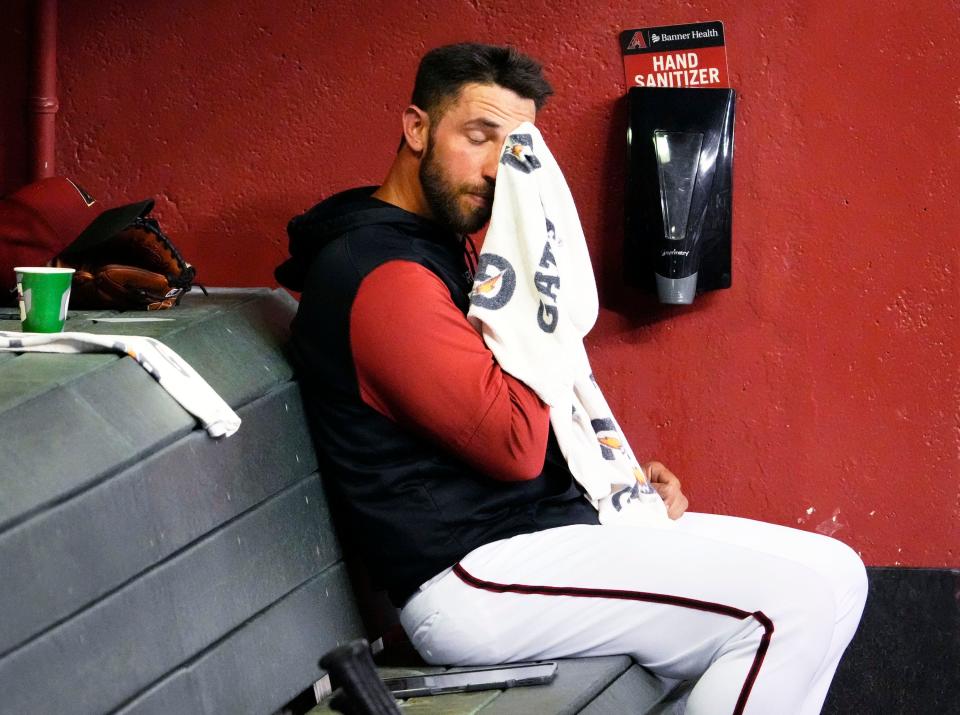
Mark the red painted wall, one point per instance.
(14, 85)
(821, 391)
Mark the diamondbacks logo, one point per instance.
(636, 42)
(495, 282)
(519, 153)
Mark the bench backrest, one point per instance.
(144, 566)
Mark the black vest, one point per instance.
(413, 508)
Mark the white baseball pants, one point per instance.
(758, 614)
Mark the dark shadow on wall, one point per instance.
(248, 232)
(15, 46)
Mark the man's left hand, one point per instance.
(668, 487)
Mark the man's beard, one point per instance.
(444, 198)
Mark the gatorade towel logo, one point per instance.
(631, 493)
(608, 437)
(547, 282)
(628, 493)
(495, 282)
(552, 236)
(642, 480)
(519, 153)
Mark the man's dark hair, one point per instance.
(445, 70)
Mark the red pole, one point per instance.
(43, 102)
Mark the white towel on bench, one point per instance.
(534, 299)
(163, 365)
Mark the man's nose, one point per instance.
(492, 164)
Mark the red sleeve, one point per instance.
(421, 364)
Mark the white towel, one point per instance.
(534, 299)
(163, 365)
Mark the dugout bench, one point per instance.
(147, 568)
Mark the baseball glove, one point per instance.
(136, 269)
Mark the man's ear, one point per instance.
(416, 127)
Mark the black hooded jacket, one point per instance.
(413, 507)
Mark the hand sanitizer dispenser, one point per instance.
(679, 180)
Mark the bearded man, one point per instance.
(450, 476)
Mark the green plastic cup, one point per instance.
(44, 294)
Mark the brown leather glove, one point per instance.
(136, 269)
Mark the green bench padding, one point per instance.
(91, 415)
(265, 663)
(147, 568)
(137, 634)
(78, 550)
(142, 561)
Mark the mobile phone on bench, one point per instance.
(495, 677)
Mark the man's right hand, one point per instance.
(668, 487)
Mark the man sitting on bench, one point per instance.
(463, 506)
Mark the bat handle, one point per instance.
(360, 690)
